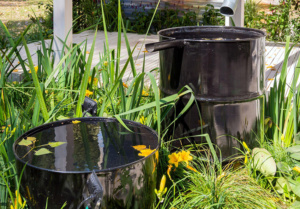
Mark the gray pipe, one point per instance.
(228, 7)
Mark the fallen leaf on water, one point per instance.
(42, 151)
(56, 144)
(76, 121)
(145, 152)
(31, 138)
(139, 147)
(25, 142)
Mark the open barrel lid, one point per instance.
(81, 145)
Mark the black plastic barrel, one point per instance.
(95, 165)
(225, 68)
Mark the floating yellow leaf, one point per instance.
(42, 151)
(76, 121)
(145, 152)
(56, 144)
(139, 147)
(31, 138)
(25, 142)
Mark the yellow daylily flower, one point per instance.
(125, 85)
(18, 203)
(36, 68)
(192, 169)
(185, 156)
(143, 120)
(13, 131)
(144, 93)
(175, 158)
(162, 189)
(246, 146)
(297, 169)
(145, 152)
(169, 170)
(139, 147)
(246, 159)
(88, 93)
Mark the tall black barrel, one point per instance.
(225, 68)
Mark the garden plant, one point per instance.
(267, 176)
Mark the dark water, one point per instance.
(90, 145)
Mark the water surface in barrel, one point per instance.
(87, 145)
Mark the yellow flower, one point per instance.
(76, 121)
(169, 170)
(139, 147)
(88, 93)
(297, 169)
(16, 70)
(175, 158)
(36, 68)
(90, 79)
(95, 81)
(46, 91)
(18, 204)
(105, 63)
(15, 82)
(87, 52)
(143, 120)
(191, 168)
(145, 152)
(13, 131)
(144, 93)
(246, 146)
(185, 156)
(162, 189)
(246, 159)
(125, 85)
(162, 183)
(282, 137)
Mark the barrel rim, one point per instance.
(260, 33)
(68, 121)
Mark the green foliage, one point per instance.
(280, 21)
(212, 16)
(164, 18)
(211, 185)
